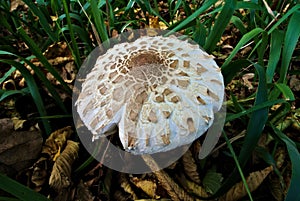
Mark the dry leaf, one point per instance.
(122, 196)
(56, 141)
(126, 186)
(276, 188)
(83, 193)
(172, 188)
(280, 157)
(14, 4)
(246, 78)
(61, 173)
(38, 174)
(9, 85)
(163, 199)
(59, 49)
(149, 187)
(17, 148)
(191, 187)
(18, 123)
(253, 180)
(295, 82)
(69, 72)
(154, 22)
(190, 167)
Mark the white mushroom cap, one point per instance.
(161, 92)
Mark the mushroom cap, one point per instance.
(161, 93)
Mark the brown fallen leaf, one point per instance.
(172, 188)
(246, 79)
(18, 149)
(121, 196)
(148, 186)
(14, 4)
(56, 141)
(61, 172)
(253, 180)
(126, 186)
(276, 188)
(38, 173)
(191, 187)
(82, 192)
(190, 167)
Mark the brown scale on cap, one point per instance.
(157, 87)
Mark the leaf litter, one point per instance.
(54, 168)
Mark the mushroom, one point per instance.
(161, 93)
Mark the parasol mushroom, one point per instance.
(161, 93)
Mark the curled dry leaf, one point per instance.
(56, 141)
(14, 4)
(246, 79)
(172, 188)
(190, 167)
(253, 180)
(61, 173)
(38, 174)
(9, 85)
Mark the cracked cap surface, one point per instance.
(161, 92)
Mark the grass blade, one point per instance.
(258, 118)
(99, 21)
(284, 17)
(255, 127)
(190, 18)
(43, 78)
(74, 50)
(262, 48)
(286, 91)
(8, 199)
(260, 106)
(6, 93)
(293, 191)
(275, 51)
(238, 165)
(220, 25)
(33, 90)
(290, 42)
(7, 74)
(80, 32)
(42, 19)
(239, 24)
(37, 52)
(245, 39)
(20, 191)
(229, 71)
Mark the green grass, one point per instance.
(272, 41)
